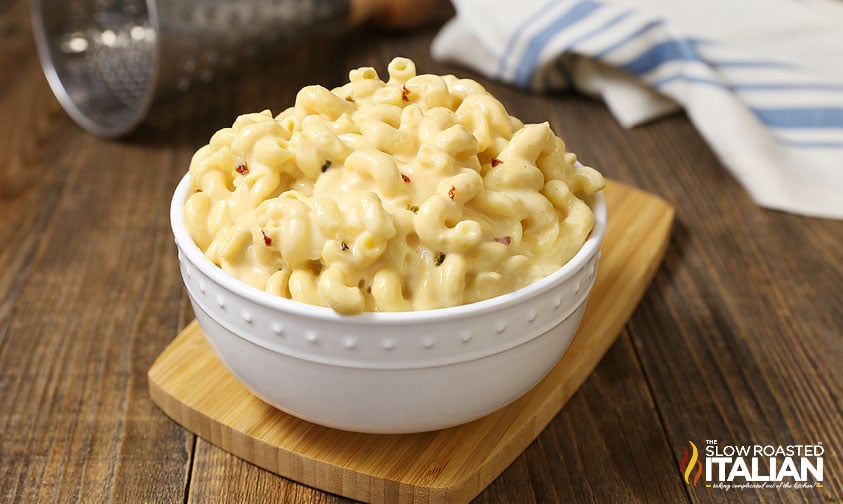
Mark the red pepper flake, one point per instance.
(495, 162)
(452, 192)
(405, 178)
(439, 259)
(506, 240)
(405, 93)
(267, 240)
(242, 169)
(343, 246)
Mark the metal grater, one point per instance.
(108, 61)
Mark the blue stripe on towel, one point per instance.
(786, 86)
(560, 67)
(801, 117)
(530, 58)
(658, 54)
(663, 81)
(518, 33)
(748, 86)
(781, 118)
(809, 144)
(751, 64)
(600, 29)
(777, 117)
(650, 25)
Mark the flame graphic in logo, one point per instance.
(687, 466)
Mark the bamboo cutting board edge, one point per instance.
(455, 464)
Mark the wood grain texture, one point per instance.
(739, 338)
(453, 465)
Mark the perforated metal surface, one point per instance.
(109, 60)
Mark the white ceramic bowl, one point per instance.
(387, 372)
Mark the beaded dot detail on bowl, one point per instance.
(359, 370)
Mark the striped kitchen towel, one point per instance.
(761, 80)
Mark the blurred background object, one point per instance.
(109, 61)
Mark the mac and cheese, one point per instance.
(416, 193)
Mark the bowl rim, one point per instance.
(197, 258)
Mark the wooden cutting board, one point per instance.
(192, 386)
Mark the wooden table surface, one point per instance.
(739, 338)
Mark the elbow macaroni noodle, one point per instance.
(416, 193)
